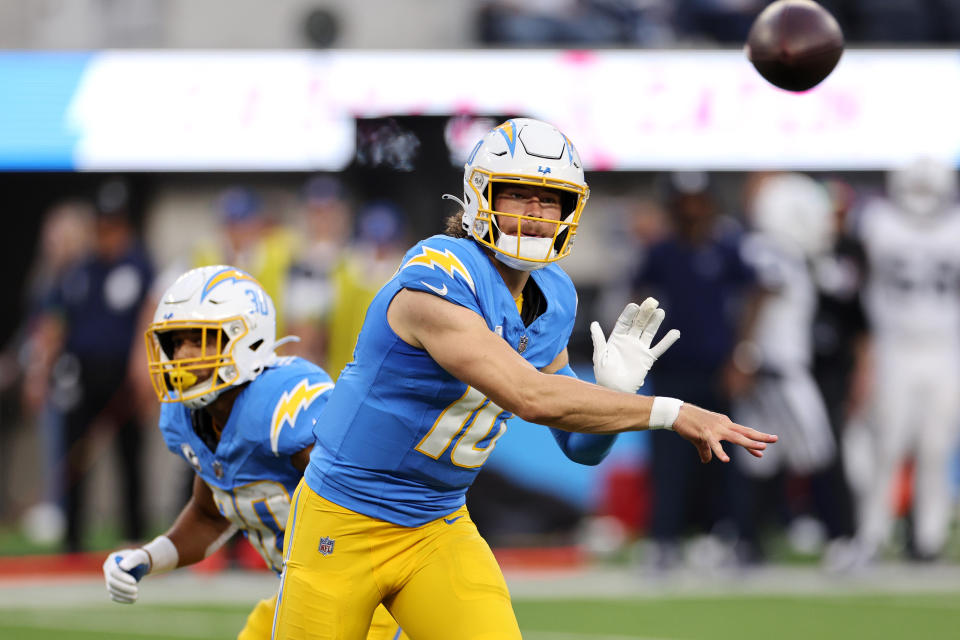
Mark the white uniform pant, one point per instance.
(791, 406)
(915, 409)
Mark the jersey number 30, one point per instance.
(261, 509)
(473, 415)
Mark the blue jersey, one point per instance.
(250, 473)
(402, 439)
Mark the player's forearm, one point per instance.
(492, 367)
(194, 532)
(582, 448)
(582, 407)
(553, 400)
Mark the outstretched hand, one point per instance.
(622, 362)
(706, 429)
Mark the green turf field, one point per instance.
(745, 618)
(741, 617)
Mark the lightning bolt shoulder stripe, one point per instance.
(446, 260)
(290, 405)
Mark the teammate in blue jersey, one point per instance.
(241, 416)
(472, 329)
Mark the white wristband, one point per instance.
(664, 411)
(163, 554)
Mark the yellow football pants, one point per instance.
(439, 581)
(260, 623)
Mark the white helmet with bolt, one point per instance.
(232, 313)
(526, 152)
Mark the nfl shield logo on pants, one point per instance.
(326, 546)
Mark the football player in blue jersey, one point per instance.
(471, 330)
(241, 416)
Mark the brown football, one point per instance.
(794, 44)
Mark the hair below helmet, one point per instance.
(234, 321)
(523, 151)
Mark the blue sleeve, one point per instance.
(294, 412)
(435, 267)
(582, 448)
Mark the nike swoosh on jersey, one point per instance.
(442, 291)
(450, 520)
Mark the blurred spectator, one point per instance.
(66, 236)
(344, 263)
(630, 230)
(701, 281)
(91, 319)
(912, 301)
(647, 222)
(792, 220)
(311, 282)
(253, 242)
(379, 243)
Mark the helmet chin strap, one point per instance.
(540, 248)
(518, 264)
(201, 401)
(183, 380)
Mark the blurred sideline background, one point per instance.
(309, 143)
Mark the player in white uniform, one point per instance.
(792, 218)
(912, 301)
(242, 417)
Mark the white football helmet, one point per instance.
(529, 152)
(794, 210)
(237, 324)
(923, 188)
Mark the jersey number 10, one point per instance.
(475, 416)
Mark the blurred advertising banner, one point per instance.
(625, 110)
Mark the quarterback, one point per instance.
(471, 330)
(241, 416)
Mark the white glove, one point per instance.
(122, 571)
(622, 362)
